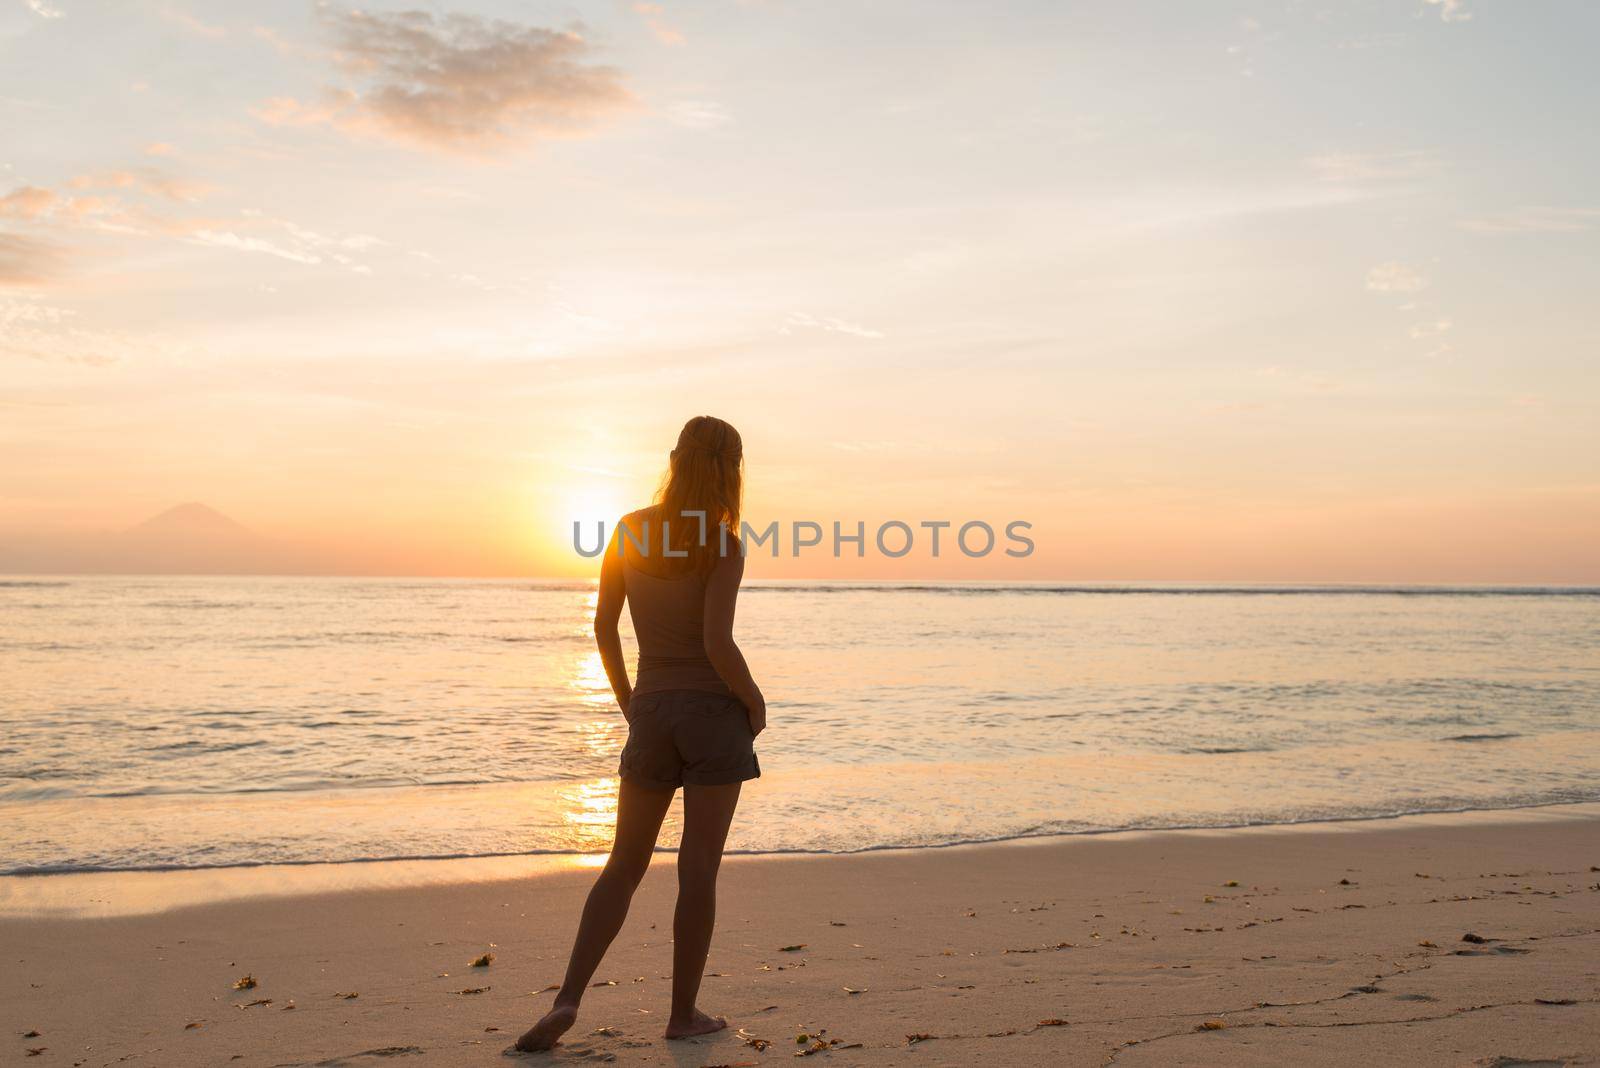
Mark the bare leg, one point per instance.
(639, 814)
(707, 812)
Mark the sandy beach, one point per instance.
(1448, 940)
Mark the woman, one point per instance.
(692, 716)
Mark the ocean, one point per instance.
(176, 722)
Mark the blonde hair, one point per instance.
(704, 474)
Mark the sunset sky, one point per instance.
(1292, 291)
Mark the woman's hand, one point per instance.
(757, 713)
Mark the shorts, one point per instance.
(688, 738)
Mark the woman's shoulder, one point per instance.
(726, 544)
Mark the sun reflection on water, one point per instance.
(590, 815)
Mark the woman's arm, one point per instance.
(722, 591)
(607, 610)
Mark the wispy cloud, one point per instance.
(44, 10)
(801, 321)
(1368, 166)
(28, 202)
(1535, 220)
(229, 239)
(143, 180)
(179, 17)
(289, 241)
(1450, 10)
(456, 82)
(25, 261)
(35, 329)
(698, 114)
(1396, 278)
(655, 18)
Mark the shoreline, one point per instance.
(1449, 939)
(142, 891)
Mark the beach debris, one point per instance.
(1210, 1025)
(792, 949)
(1231, 882)
(920, 1036)
(607, 1032)
(758, 1044)
(36, 1051)
(482, 961)
(1209, 900)
(287, 1007)
(1425, 944)
(819, 1042)
(1051, 1022)
(1475, 939)
(348, 997)
(257, 1001)
(31, 1034)
(836, 923)
(1346, 882)
(1555, 1001)
(473, 990)
(604, 982)
(193, 1025)
(1046, 949)
(246, 982)
(547, 989)
(855, 990)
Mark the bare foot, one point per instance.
(698, 1024)
(548, 1031)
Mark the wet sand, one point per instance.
(1324, 944)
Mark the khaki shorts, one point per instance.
(688, 738)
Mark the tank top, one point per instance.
(669, 622)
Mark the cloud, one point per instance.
(25, 261)
(229, 239)
(1535, 220)
(190, 23)
(29, 202)
(79, 206)
(44, 10)
(456, 82)
(143, 180)
(698, 114)
(289, 241)
(653, 17)
(800, 320)
(1396, 278)
(1450, 10)
(36, 330)
(1368, 166)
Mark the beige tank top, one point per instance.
(668, 620)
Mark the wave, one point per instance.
(990, 589)
(1560, 799)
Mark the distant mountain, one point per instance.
(190, 520)
(189, 539)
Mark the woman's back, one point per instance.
(667, 606)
